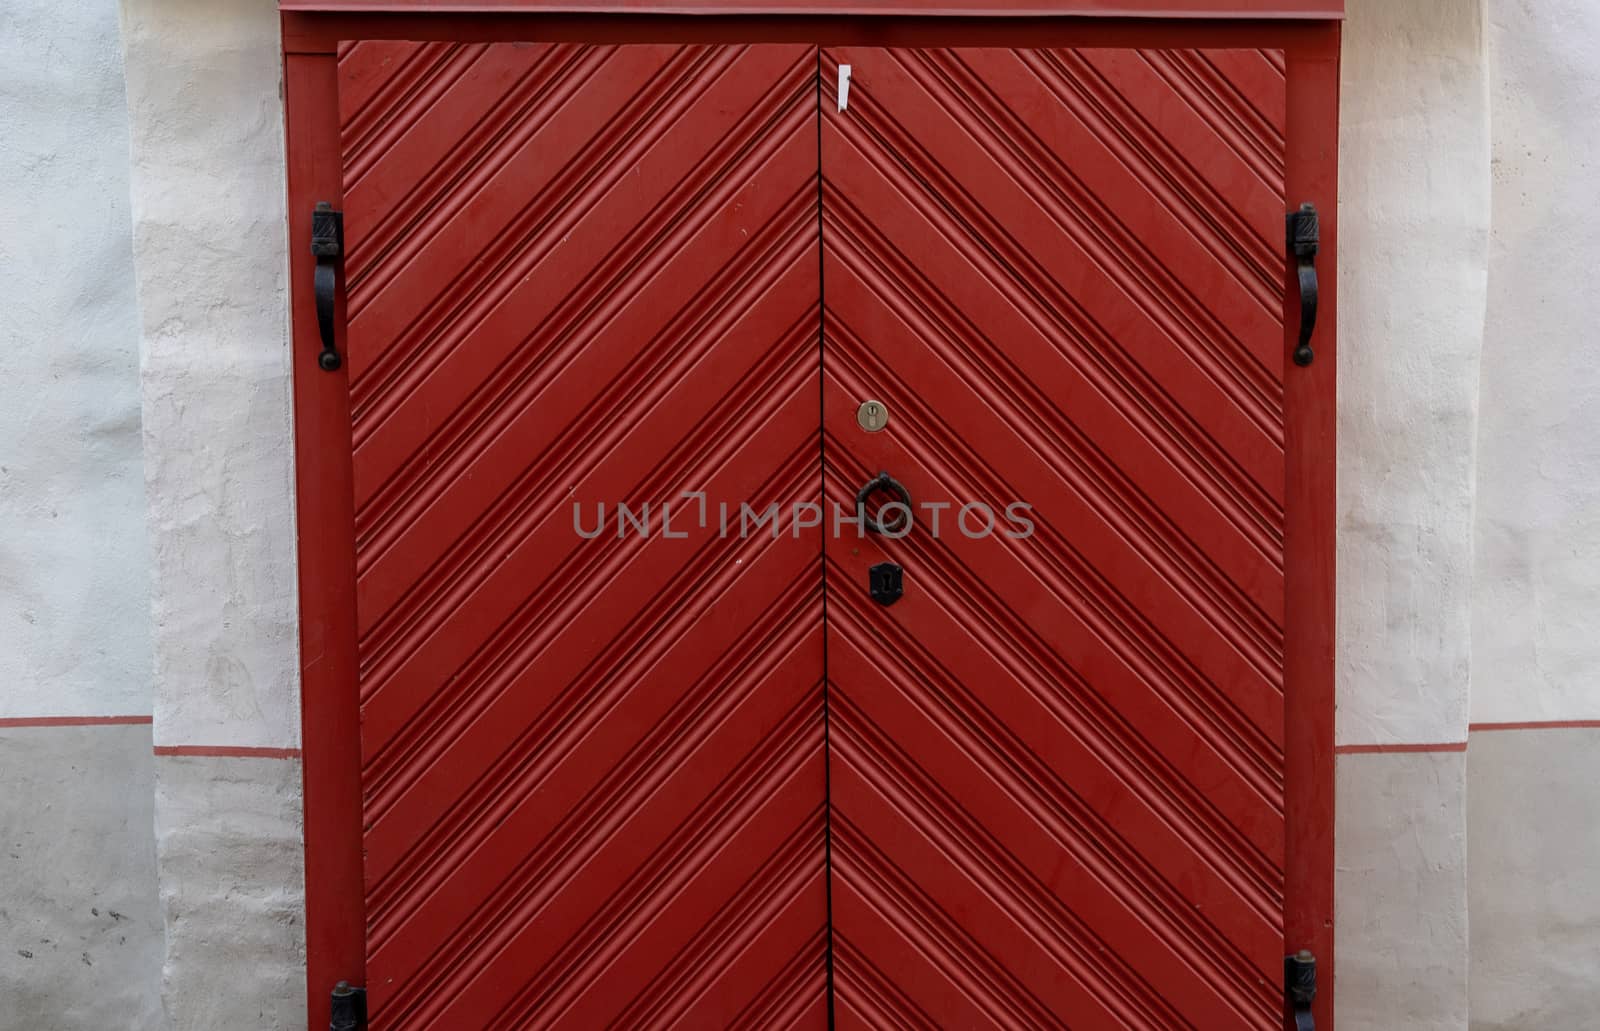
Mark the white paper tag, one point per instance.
(844, 86)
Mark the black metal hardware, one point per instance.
(1300, 987)
(883, 481)
(327, 243)
(349, 1008)
(885, 582)
(1302, 237)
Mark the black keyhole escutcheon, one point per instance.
(885, 582)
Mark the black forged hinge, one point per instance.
(327, 243)
(1300, 987)
(1301, 232)
(348, 1011)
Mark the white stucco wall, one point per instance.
(74, 580)
(205, 102)
(205, 105)
(1414, 223)
(80, 932)
(1401, 907)
(1535, 624)
(1534, 847)
(81, 944)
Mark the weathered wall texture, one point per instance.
(232, 894)
(1414, 224)
(1414, 220)
(74, 587)
(80, 934)
(1538, 522)
(1402, 921)
(206, 113)
(1534, 842)
(206, 121)
(1533, 854)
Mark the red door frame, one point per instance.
(335, 916)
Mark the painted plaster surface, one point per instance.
(206, 121)
(80, 935)
(1534, 842)
(206, 128)
(1400, 892)
(1538, 515)
(1414, 219)
(74, 581)
(80, 932)
(1414, 216)
(229, 835)
(1533, 852)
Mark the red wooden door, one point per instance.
(1056, 763)
(592, 766)
(621, 771)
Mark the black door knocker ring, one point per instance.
(884, 482)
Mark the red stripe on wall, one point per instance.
(229, 751)
(1444, 746)
(1536, 725)
(72, 721)
(223, 751)
(1473, 728)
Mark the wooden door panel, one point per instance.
(1057, 762)
(592, 765)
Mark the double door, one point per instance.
(656, 729)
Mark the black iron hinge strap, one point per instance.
(327, 243)
(1302, 238)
